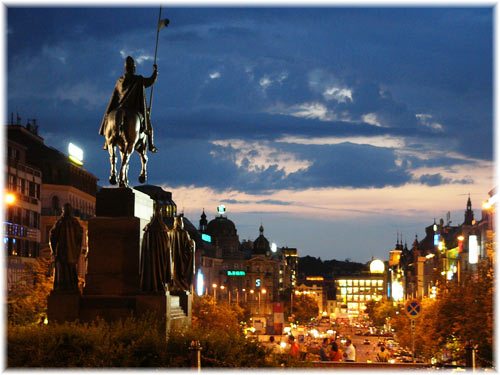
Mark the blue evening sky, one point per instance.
(334, 127)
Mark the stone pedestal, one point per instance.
(112, 286)
(63, 307)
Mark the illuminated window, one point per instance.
(380, 282)
(361, 282)
(380, 289)
(349, 298)
(356, 297)
(349, 290)
(355, 290)
(355, 283)
(368, 298)
(349, 282)
(342, 283)
(361, 297)
(374, 282)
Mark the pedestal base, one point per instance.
(63, 307)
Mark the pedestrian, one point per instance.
(382, 356)
(323, 350)
(294, 348)
(350, 351)
(335, 353)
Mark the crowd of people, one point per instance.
(329, 350)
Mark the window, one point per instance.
(355, 283)
(55, 203)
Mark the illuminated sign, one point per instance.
(274, 248)
(75, 154)
(206, 237)
(221, 209)
(257, 282)
(236, 273)
(199, 283)
(315, 278)
(473, 249)
(436, 239)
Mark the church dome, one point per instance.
(261, 244)
(221, 226)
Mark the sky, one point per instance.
(336, 128)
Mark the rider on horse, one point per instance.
(129, 93)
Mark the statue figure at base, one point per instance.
(156, 258)
(66, 245)
(183, 250)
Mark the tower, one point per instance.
(203, 222)
(469, 214)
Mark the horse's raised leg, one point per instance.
(144, 161)
(112, 160)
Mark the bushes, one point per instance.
(132, 343)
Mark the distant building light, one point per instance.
(435, 227)
(377, 266)
(206, 237)
(274, 247)
(473, 249)
(75, 154)
(397, 291)
(221, 209)
(199, 283)
(436, 239)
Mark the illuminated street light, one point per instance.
(10, 198)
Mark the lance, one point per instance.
(161, 24)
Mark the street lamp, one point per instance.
(10, 198)
(215, 290)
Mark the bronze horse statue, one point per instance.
(124, 130)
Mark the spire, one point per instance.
(261, 229)
(469, 214)
(203, 222)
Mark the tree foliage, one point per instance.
(209, 314)
(27, 301)
(462, 312)
(304, 308)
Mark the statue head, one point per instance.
(67, 209)
(129, 65)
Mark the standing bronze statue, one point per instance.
(66, 245)
(156, 257)
(127, 123)
(183, 250)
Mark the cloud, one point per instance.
(377, 141)
(214, 75)
(425, 120)
(139, 55)
(260, 156)
(311, 111)
(371, 118)
(341, 95)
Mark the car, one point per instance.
(366, 342)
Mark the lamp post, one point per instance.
(215, 291)
(262, 291)
(252, 292)
(244, 290)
